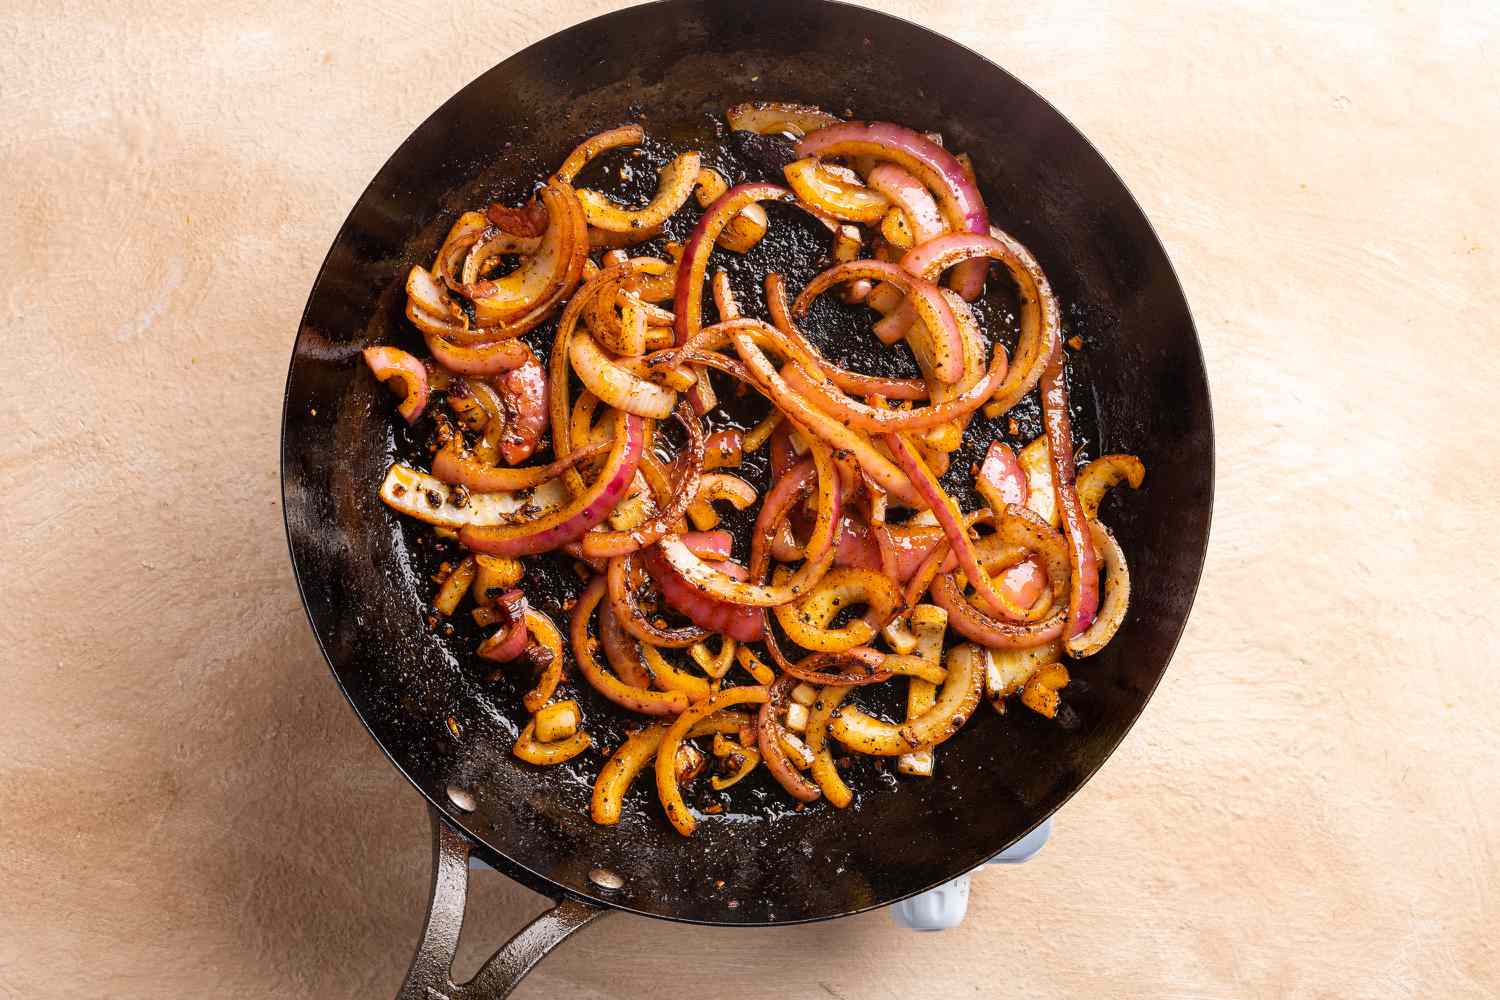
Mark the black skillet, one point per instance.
(1139, 386)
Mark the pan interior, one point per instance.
(1139, 386)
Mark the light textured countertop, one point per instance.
(1310, 806)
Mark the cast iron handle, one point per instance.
(430, 975)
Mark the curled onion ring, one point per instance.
(394, 366)
(674, 187)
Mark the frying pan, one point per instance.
(1139, 386)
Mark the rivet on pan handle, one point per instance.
(430, 975)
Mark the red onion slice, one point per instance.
(571, 521)
(392, 363)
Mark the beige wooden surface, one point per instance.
(1311, 805)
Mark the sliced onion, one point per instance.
(462, 470)
(1083, 596)
(617, 320)
(548, 638)
(614, 385)
(974, 624)
(558, 363)
(778, 118)
(430, 308)
(523, 393)
(668, 677)
(1041, 324)
(674, 187)
(716, 584)
(633, 698)
(509, 642)
(851, 382)
(880, 468)
(529, 220)
(485, 359)
(748, 227)
(458, 246)
(509, 306)
(950, 518)
(709, 544)
(830, 399)
(638, 750)
(853, 667)
(403, 372)
(427, 498)
(844, 200)
(687, 303)
(1001, 480)
(1007, 670)
(918, 210)
(621, 651)
(823, 770)
(625, 135)
(568, 523)
(497, 244)
(724, 449)
(1041, 496)
(603, 238)
(1100, 475)
(1116, 595)
(895, 230)
(715, 487)
(534, 751)
(806, 620)
(957, 194)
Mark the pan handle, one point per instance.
(430, 975)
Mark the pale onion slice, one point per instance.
(499, 244)
(714, 583)
(825, 190)
(778, 118)
(1104, 472)
(744, 230)
(674, 187)
(1041, 494)
(616, 386)
(1116, 595)
(458, 246)
(427, 498)
(1006, 671)
(625, 135)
